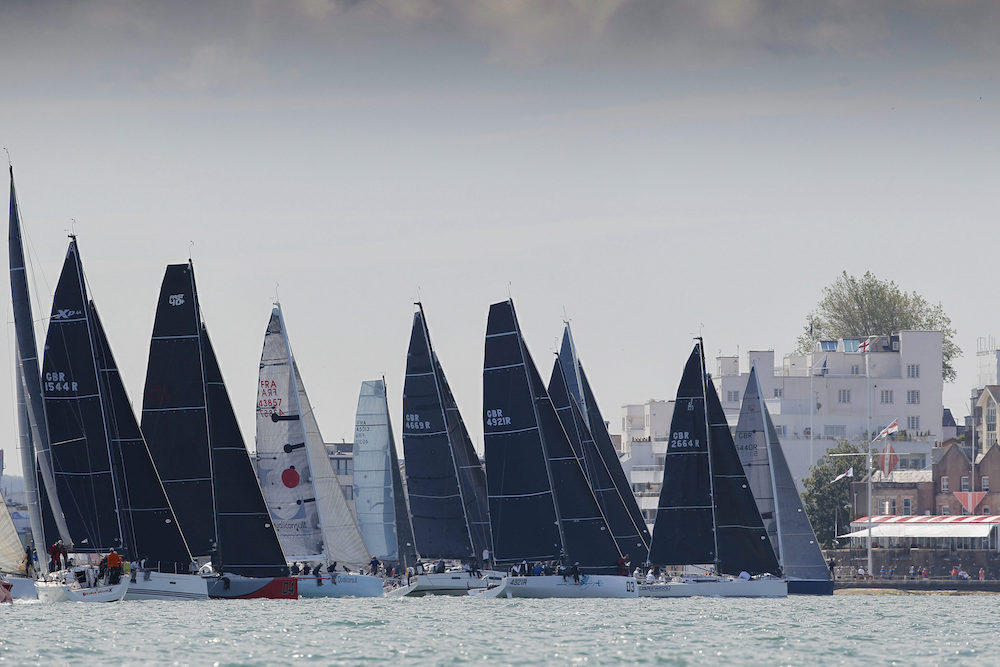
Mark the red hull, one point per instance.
(271, 588)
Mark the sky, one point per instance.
(648, 169)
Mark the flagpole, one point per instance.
(868, 375)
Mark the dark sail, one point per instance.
(445, 481)
(47, 520)
(702, 465)
(81, 463)
(195, 441)
(174, 415)
(683, 533)
(531, 464)
(406, 548)
(778, 500)
(626, 535)
(247, 542)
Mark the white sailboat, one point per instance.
(706, 513)
(13, 558)
(311, 514)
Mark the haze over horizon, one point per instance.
(650, 169)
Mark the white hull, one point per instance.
(447, 583)
(50, 591)
(23, 588)
(555, 586)
(345, 585)
(716, 587)
(164, 586)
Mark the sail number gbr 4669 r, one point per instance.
(682, 440)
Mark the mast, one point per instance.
(708, 446)
(444, 421)
(31, 382)
(29, 465)
(403, 529)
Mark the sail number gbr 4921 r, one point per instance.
(497, 418)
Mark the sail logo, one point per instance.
(683, 440)
(413, 422)
(176, 299)
(66, 313)
(496, 418)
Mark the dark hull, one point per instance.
(810, 587)
(245, 588)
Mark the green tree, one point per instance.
(823, 498)
(854, 307)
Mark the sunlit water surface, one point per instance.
(885, 629)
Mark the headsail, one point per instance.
(12, 558)
(703, 466)
(195, 441)
(533, 474)
(445, 479)
(778, 500)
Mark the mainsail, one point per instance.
(541, 506)
(780, 505)
(36, 456)
(445, 479)
(303, 494)
(195, 441)
(378, 493)
(602, 465)
(105, 478)
(706, 511)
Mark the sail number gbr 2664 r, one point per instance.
(682, 440)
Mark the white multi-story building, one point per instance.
(645, 427)
(838, 393)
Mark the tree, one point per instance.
(855, 307)
(824, 499)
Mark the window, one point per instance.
(984, 483)
(828, 345)
(945, 485)
(856, 369)
(780, 429)
(733, 396)
(944, 510)
(890, 506)
(913, 397)
(913, 423)
(907, 507)
(912, 370)
(986, 510)
(886, 397)
(851, 344)
(844, 396)
(778, 392)
(835, 431)
(965, 483)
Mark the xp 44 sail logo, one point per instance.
(176, 300)
(66, 313)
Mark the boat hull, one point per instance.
(344, 585)
(50, 591)
(22, 588)
(235, 587)
(720, 587)
(447, 583)
(556, 586)
(810, 587)
(166, 586)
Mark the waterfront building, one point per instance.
(645, 429)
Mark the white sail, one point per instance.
(11, 550)
(343, 538)
(283, 465)
(373, 496)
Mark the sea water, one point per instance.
(800, 630)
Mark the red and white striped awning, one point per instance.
(926, 526)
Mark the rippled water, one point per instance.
(844, 629)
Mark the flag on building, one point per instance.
(849, 473)
(891, 428)
(864, 345)
(888, 459)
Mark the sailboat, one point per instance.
(13, 559)
(780, 505)
(312, 517)
(106, 482)
(383, 516)
(706, 513)
(44, 510)
(445, 480)
(197, 447)
(577, 408)
(541, 506)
